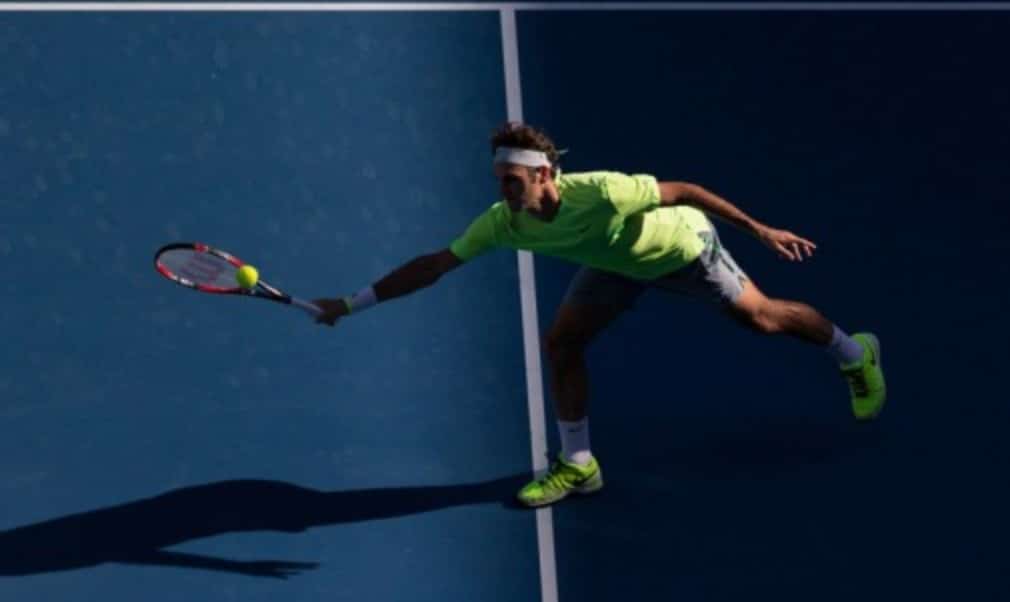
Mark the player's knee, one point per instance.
(562, 343)
(762, 318)
(769, 319)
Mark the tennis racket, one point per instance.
(206, 269)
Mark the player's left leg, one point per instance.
(779, 316)
(858, 356)
(716, 278)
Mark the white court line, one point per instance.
(497, 6)
(531, 329)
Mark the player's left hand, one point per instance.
(786, 244)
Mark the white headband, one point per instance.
(521, 156)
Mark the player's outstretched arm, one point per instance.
(418, 273)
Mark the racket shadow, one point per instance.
(137, 532)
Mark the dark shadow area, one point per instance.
(137, 532)
(763, 447)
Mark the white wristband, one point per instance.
(361, 300)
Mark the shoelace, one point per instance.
(857, 381)
(553, 477)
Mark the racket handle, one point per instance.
(311, 308)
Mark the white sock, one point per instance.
(575, 441)
(844, 348)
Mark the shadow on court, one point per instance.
(136, 532)
(760, 447)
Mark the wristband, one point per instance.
(361, 300)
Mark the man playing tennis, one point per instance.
(631, 234)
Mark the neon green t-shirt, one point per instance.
(607, 220)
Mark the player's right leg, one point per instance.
(594, 300)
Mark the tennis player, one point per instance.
(630, 233)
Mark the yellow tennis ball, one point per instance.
(247, 276)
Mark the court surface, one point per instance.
(164, 445)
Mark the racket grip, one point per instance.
(311, 308)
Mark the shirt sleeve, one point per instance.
(478, 238)
(632, 194)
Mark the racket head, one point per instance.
(201, 267)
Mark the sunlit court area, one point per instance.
(316, 302)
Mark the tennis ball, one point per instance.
(247, 276)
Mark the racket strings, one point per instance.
(202, 269)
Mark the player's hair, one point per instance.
(519, 135)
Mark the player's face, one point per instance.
(521, 187)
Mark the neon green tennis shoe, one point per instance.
(562, 479)
(866, 379)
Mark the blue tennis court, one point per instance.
(165, 445)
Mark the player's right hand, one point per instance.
(333, 310)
